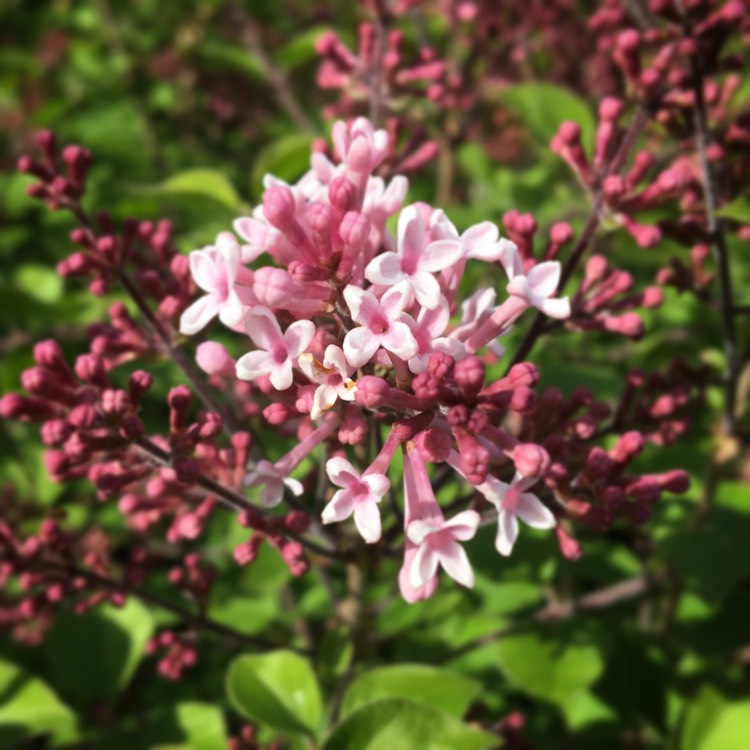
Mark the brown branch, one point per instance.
(557, 611)
(232, 499)
(195, 618)
(716, 235)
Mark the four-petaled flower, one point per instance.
(359, 495)
(277, 350)
(214, 270)
(273, 482)
(438, 544)
(537, 286)
(413, 262)
(381, 324)
(512, 503)
(332, 375)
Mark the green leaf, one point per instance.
(543, 107)
(396, 723)
(94, 655)
(287, 158)
(28, 708)
(199, 183)
(713, 723)
(197, 726)
(278, 689)
(42, 283)
(736, 210)
(438, 688)
(221, 56)
(714, 557)
(546, 667)
(300, 49)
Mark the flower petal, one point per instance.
(507, 532)
(199, 314)
(424, 566)
(339, 509)
(272, 493)
(263, 328)
(203, 270)
(281, 375)
(439, 255)
(385, 269)
(379, 484)
(556, 307)
(298, 337)
(426, 289)
(367, 520)
(463, 525)
(418, 530)
(411, 232)
(254, 364)
(359, 346)
(399, 340)
(544, 278)
(455, 563)
(533, 512)
(231, 311)
(341, 472)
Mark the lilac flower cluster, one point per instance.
(355, 325)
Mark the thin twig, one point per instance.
(556, 611)
(196, 618)
(716, 236)
(589, 230)
(232, 499)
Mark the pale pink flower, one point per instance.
(438, 545)
(480, 241)
(273, 481)
(359, 145)
(332, 376)
(427, 331)
(538, 286)
(381, 325)
(277, 350)
(414, 262)
(513, 503)
(359, 495)
(214, 270)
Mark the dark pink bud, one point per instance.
(599, 465)
(342, 193)
(469, 374)
(458, 416)
(187, 470)
(214, 359)
(55, 431)
(570, 134)
(354, 428)
(90, 368)
(627, 447)
(611, 109)
(523, 400)
(629, 324)
(561, 233)
(15, 406)
(83, 416)
(179, 402)
(132, 428)
(372, 392)
(114, 402)
(426, 386)
(531, 459)
(276, 414)
(440, 365)
(434, 445)
(39, 381)
(297, 522)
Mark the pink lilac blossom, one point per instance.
(277, 350)
(358, 496)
